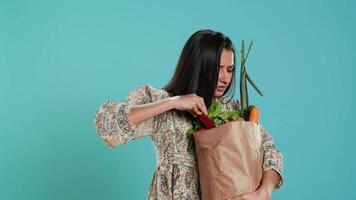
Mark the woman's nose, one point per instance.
(224, 77)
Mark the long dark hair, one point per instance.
(197, 70)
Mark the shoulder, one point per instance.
(147, 93)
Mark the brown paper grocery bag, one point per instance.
(229, 159)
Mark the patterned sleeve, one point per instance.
(273, 158)
(111, 119)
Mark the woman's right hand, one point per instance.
(190, 102)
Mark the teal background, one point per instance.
(60, 60)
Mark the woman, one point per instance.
(205, 72)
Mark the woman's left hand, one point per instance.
(259, 194)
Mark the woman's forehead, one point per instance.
(227, 58)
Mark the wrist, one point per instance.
(171, 101)
(266, 188)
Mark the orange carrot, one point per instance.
(254, 114)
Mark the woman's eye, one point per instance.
(229, 70)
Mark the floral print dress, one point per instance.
(176, 174)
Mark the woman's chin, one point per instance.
(218, 94)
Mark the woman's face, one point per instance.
(225, 72)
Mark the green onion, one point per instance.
(244, 77)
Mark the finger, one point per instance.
(201, 105)
(202, 108)
(202, 102)
(196, 110)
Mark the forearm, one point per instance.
(270, 180)
(141, 113)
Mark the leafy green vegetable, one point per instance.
(217, 115)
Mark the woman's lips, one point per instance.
(221, 88)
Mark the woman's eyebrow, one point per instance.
(228, 66)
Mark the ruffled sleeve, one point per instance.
(111, 119)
